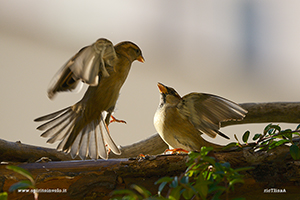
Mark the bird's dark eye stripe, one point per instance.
(172, 91)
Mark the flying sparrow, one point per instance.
(82, 128)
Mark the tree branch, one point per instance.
(257, 113)
(288, 112)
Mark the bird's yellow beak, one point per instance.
(162, 88)
(141, 59)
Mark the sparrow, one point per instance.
(82, 128)
(180, 121)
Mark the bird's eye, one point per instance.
(137, 51)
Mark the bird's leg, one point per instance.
(109, 115)
(108, 121)
(176, 150)
(116, 120)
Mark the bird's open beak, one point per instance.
(141, 59)
(162, 88)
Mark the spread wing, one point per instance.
(206, 111)
(89, 65)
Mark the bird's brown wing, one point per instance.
(206, 111)
(88, 66)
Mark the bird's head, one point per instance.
(168, 95)
(130, 50)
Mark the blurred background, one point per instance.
(246, 51)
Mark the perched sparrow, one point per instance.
(181, 121)
(82, 128)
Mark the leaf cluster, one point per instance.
(204, 178)
(271, 137)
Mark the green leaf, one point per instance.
(246, 136)
(278, 143)
(295, 152)
(3, 196)
(286, 131)
(141, 190)
(268, 141)
(234, 181)
(220, 172)
(202, 188)
(216, 188)
(256, 136)
(297, 133)
(226, 164)
(277, 127)
(204, 150)
(174, 183)
(193, 155)
(184, 180)
(207, 174)
(218, 166)
(298, 127)
(272, 129)
(123, 192)
(194, 189)
(188, 193)
(210, 160)
(164, 179)
(25, 184)
(232, 144)
(130, 195)
(161, 187)
(288, 134)
(175, 193)
(21, 171)
(267, 128)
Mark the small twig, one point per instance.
(277, 134)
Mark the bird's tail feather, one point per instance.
(51, 116)
(223, 135)
(91, 141)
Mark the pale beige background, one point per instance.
(246, 51)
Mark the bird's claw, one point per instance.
(176, 151)
(117, 120)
